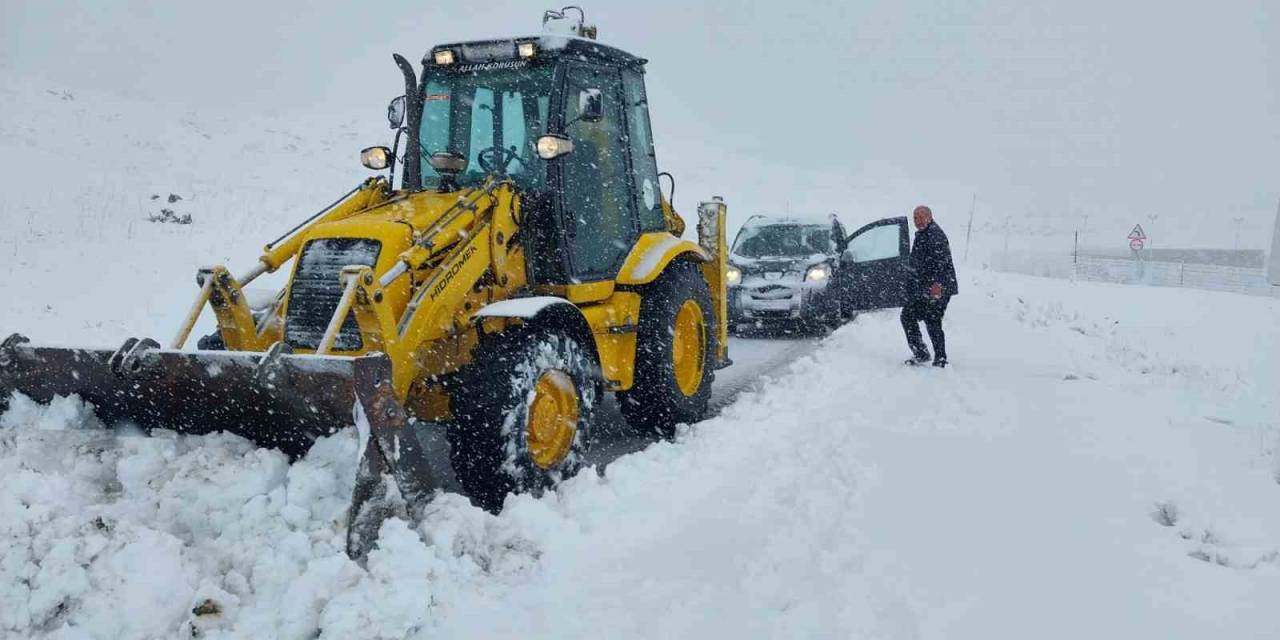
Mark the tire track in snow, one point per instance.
(753, 361)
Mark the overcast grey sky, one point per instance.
(1049, 110)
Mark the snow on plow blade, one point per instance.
(276, 400)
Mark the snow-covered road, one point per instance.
(755, 361)
(1100, 462)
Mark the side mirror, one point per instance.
(376, 158)
(554, 145)
(590, 105)
(395, 112)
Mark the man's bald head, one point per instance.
(922, 216)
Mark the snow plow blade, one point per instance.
(274, 399)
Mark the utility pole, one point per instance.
(1151, 220)
(969, 232)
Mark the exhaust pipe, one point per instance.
(412, 180)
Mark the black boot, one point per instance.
(917, 359)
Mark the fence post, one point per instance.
(1075, 256)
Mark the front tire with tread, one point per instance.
(491, 404)
(655, 402)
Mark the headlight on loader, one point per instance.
(443, 57)
(552, 146)
(732, 275)
(817, 273)
(376, 158)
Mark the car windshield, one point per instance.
(782, 240)
(466, 112)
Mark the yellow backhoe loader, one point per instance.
(472, 318)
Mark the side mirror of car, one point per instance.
(837, 235)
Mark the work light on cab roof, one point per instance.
(555, 25)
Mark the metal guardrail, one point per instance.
(1250, 281)
(1154, 273)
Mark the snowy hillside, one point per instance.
(1089, 468)
(84, 173)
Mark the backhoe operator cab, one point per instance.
(566, 120)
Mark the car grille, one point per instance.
(316, 289)
(771, 292)
(771, 313)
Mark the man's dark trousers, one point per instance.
(929, 311)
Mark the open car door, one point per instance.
(876, 266)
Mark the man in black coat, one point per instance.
(933, 284)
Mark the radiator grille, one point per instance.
(314, 294)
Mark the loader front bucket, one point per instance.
(276, 400)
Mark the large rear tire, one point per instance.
(675, 351)
(522, 414)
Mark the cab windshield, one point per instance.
(783, 240)
(466, 112)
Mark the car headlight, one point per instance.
(732, 275)
(817, 273)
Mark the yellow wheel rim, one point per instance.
(688, 347)
(553, 419)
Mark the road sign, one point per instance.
(1137, 233)
(1136, 244)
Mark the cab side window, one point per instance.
(597, 202)
(644, 164)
